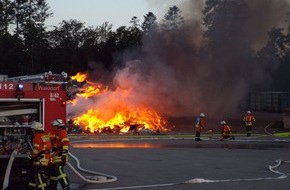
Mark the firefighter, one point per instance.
(199, 126)
(59, 156)
(249, 121)
(225, 131)
(40, 157)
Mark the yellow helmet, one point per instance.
(37, 126)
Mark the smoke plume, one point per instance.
(178, 75)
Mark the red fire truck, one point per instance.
(24, 99)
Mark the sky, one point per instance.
(96, 12)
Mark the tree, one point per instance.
(12, 56)
(30, 19)
(127, 37)
(135, 31)
(94, 46)
(93, 37)
(149, 24)
(20, 14)
(134, 22)
(66, 42)
(231, 61)
(42, 13)
(271, 58)
(172, 20)
(68, 34)
(224, 21)
(6, 15)
(274, 51)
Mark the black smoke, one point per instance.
(179, 75)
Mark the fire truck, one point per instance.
(24, 99)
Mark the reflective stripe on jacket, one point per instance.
(42, 147)
(60, 145)
(249, 120)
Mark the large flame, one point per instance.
(79, 77)
(88, 89)
(116, 116)
(91, 89)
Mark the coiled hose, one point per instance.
(98, 178)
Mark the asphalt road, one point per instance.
(181, 163)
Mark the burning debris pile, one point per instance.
(100, 109)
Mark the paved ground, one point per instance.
(168, 162)
(176, 162)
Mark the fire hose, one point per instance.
(98, 178)
(8, 169)
(273, 169)
(266, 129)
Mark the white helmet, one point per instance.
(202, 115)
(223, 123)
(248, 112)
(57, 123)
(37, 126)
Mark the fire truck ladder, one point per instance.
(47, 77)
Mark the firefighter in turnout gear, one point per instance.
(59, 156)
(199, 126)
(225, 131)
(249, 121)
(40, 157)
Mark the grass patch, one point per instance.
(285, 134)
